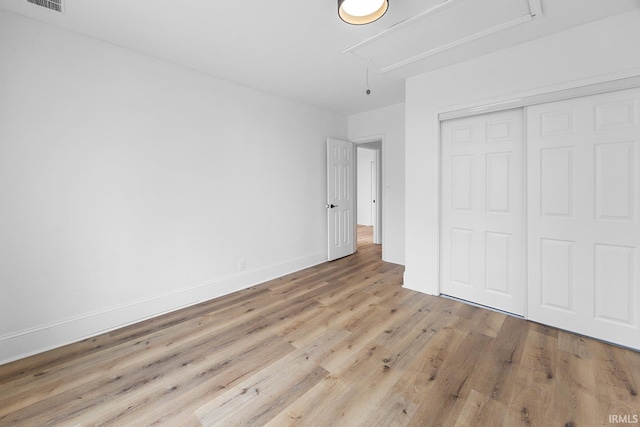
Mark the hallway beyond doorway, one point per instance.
(365, 234)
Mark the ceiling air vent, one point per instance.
(49, 4)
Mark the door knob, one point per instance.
(331, 206)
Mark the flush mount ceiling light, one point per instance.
(359, 12)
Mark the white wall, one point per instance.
(387, 123)
(130, 187)
(594, 52)
(365, 201)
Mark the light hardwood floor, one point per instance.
(339, 344)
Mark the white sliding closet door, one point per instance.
(483, 210)
(583, 161)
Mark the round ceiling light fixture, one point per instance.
(359, 12)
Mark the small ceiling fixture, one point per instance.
(359, 12)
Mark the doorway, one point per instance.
(369, 193)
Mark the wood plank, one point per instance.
(575, 401)
(261, 397)
(617, 391)
(450, 389)
(481, 410)
(532, 402)
(500, 363)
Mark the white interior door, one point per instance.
(341, 198)
(584, 215)
(483, 210)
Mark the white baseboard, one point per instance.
(36, 340)
(394, 257)
(420, 284)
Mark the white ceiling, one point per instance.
(301, 50)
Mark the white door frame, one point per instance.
(568, 90)
(375, 196)
(379, 228)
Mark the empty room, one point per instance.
(320, 213)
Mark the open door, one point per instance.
(341, 198)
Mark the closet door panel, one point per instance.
(583, 186)
(483, 210)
